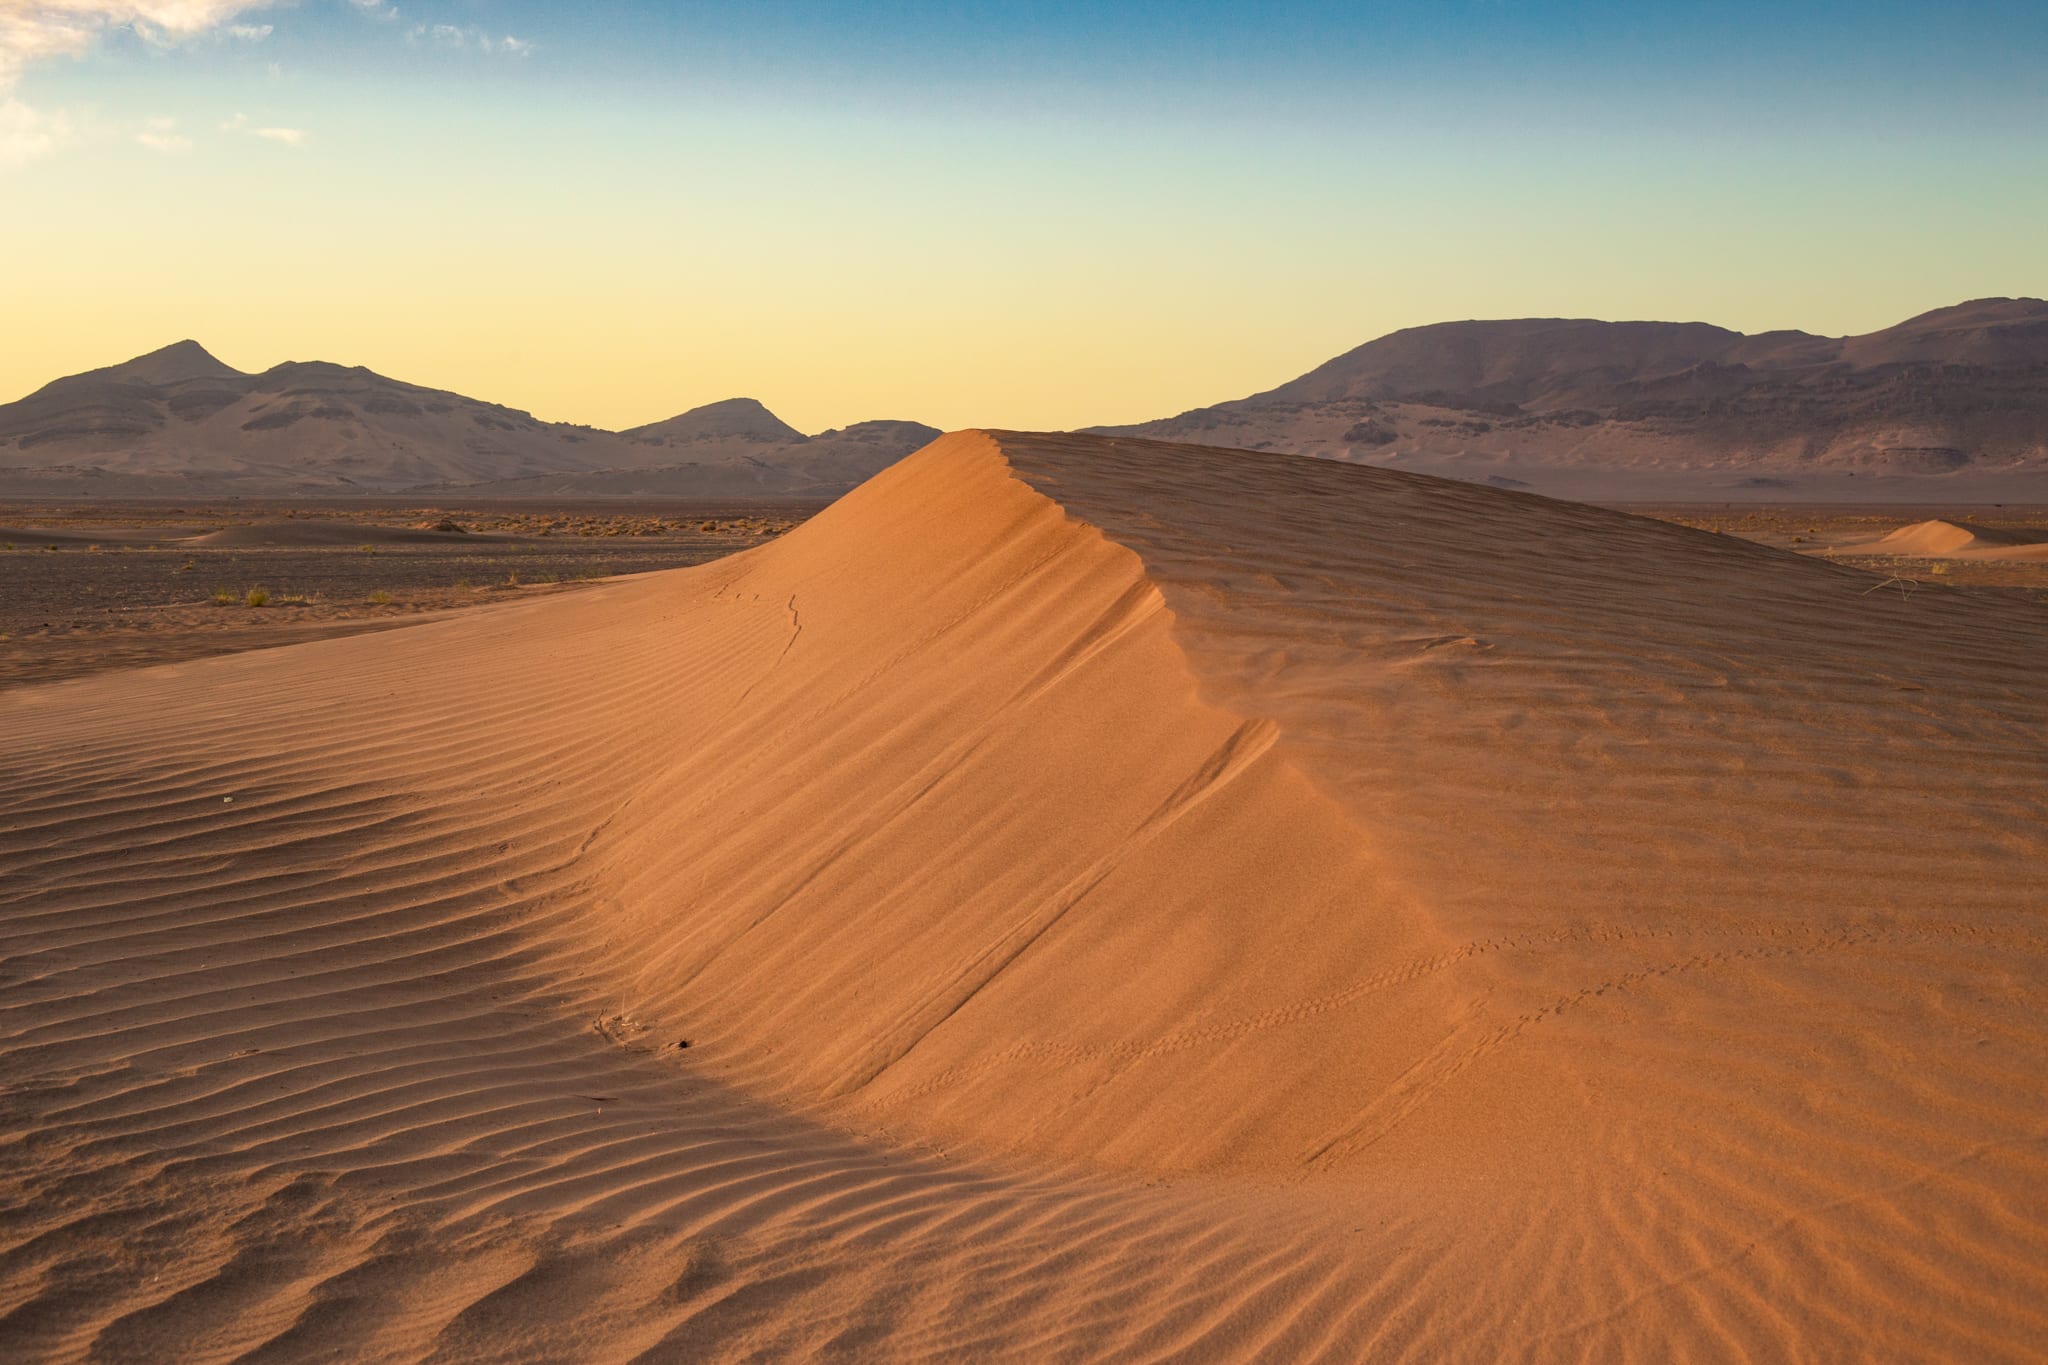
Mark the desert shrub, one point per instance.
(1371, 434)
(380, 598)
(257, 598)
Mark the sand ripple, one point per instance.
(1120, 901)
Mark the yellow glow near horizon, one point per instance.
(843, 271)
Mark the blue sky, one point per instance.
(978, 213)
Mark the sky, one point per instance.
(1034, 215)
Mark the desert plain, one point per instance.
(1072, 898)
(99, 585)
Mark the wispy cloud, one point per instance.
(162, 135)
(33, 31)
(36, 30)
(376, 9)
(26, 133)
(469, 37)
(250, 33)
(290, 137)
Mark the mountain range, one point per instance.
(178, 421)
(1951, 406)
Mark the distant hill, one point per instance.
(821, 466)
(1948, 406)
(734, 419)
(1953, 403)
(179, 422)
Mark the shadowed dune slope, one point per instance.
(1119, 899)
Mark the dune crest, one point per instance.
(1072, 897)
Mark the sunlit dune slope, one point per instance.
(1289, 909)
(1209, 785)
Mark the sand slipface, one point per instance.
(1120, 899)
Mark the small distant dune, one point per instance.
(308, 534)
(1956, 540)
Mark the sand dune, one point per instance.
(1955, 540)
(1120, 900)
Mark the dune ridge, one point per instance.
(1119, 898)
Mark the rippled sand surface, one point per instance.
(1075, 898)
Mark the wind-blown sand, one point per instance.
(1122, 900)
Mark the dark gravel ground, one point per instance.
(142, 595)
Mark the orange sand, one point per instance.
(1122, 900)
